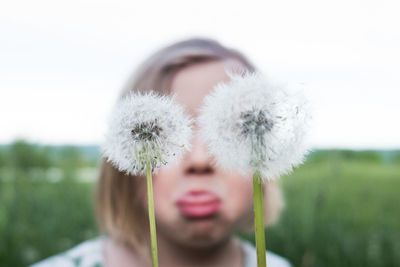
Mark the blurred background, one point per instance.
(62, 64)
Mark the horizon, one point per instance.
(94, 145)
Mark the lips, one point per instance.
(199, 204)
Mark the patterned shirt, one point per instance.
(90, 254)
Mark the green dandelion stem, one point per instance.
(152, 220)
(259, 219)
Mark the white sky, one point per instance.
(62, 63)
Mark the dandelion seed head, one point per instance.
(252, 124)
(146, 130)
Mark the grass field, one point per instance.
(342, 207)
(340, 213)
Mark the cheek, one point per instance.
(164, 185)
(239, 198)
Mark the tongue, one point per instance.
(198, 197)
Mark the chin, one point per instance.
(204, 241)
(197, 233)
(205, 233)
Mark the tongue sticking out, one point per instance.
(199, 204)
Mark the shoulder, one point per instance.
(86, 254)
(273, 260)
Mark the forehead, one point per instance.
(193, 83)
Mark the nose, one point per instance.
(197, 161)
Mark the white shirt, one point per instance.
(90, 254)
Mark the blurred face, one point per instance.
(197, 204)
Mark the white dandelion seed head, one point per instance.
(146, 129)
(251, 124)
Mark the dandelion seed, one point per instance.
(251, 124)
(146, 129)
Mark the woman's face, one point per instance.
(197, 204)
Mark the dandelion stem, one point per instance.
(152, 221)
(259, 219)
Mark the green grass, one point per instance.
(340, 213)
(39, 219)
(342, 207)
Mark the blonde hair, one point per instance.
(119, 212)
